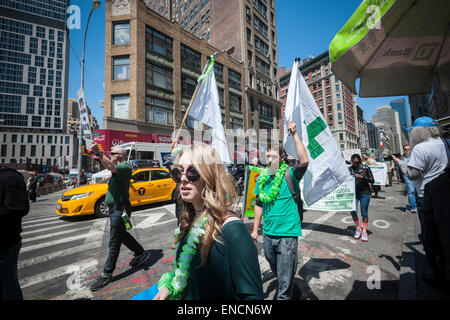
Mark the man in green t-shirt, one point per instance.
(282, 225)
(117, 199)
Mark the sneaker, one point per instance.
(138, 260)
(413, 211)
(364, 236)
(357, 234)
(100, 283)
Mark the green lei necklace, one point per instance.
(273, 193)
(176, 281)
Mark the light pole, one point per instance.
(95, 5)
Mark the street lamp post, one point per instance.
(95, 5)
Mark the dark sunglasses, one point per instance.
(114, 153)
(191, 174)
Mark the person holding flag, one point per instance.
(282, 225)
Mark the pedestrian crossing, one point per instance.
(58, 254)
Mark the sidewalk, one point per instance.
(415, 265)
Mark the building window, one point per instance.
(190, 59)
(261, 46)
(234, 79)
(159, 77)
(158, 43)
(30, 105)
(4, 149)
(188, 86)
(52, 151)
(159, 111)
(218, 72)
(262, 67)
(121, 68)
(260, 26)
(36, 122)
(339, 106)
(121, 106)
(67, 139)
(249, 36)
(121, 33)
(33, 150)
(235, 103)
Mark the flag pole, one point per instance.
(190, 104)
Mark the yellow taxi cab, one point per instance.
(149, 185)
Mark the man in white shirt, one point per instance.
(427, 161)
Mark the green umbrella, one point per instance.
(395, 47)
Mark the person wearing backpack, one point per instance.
(280, 209)
(14, 205)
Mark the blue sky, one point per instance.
(304, 28)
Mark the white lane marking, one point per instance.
(382, 224)
(58, 272)
(320, 220)
(31, 221)
(326, 277)
(55, 223)
(151, 220)
(58, 254)
(51, 235)
(344, 250)
(347, 220)
(52, 243)
(348, 238)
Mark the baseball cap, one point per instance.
(424, 122)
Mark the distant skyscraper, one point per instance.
(399, 105)
(374, 136)
(385, 114)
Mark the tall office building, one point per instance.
(246, 30)
(374, 136)
(399, 105)
(151, 71)
(33, 81)
(385, 114)
(333, 97)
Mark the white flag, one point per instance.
(327, 169)
(206, 109)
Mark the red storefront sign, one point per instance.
(106, 139)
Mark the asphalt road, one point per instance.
(61, 257)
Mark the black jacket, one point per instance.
(13, 206)
(362, 186)
(436, 216)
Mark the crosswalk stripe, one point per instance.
(28, 222)
(58, 254)
(27, 233)
(52, 243)
(152, 219)
(58, 272)
(51, 235)
(44, 224)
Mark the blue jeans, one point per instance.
(117, 235)
(9, 282)
(411, 189)
(364, 200)
(282, 255)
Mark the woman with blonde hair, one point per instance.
(216, 257)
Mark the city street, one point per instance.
(60, 257)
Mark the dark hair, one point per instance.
(356, 156)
